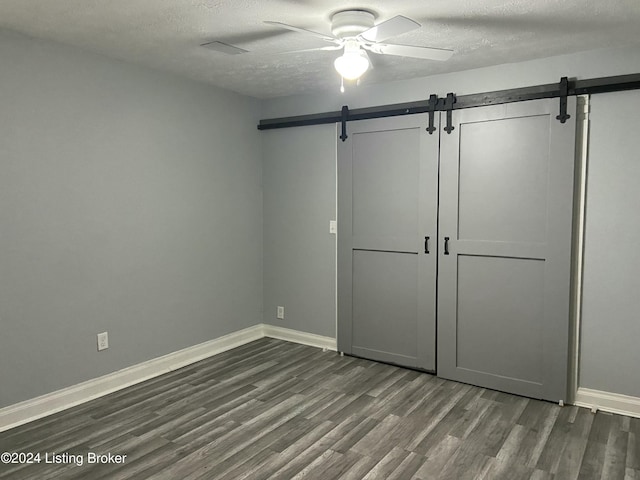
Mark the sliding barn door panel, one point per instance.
(385, 291)
(506, 198)
(491, 208)
(385, 190)
(508, 292)
(387, 207)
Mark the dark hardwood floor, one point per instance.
(277, 410)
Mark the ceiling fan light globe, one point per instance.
(351, 66)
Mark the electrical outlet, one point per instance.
(280, 314)
(103, 341)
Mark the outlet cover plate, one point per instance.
(280, 313)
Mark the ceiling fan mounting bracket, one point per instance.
(351, 23)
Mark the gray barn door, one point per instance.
(387, 205)
(506, 183)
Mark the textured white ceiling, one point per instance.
(166, 34)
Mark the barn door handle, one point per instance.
(426, 245)
(446, 245)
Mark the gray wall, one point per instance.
(611, 314)
(130, 201)
(610, 331)
(299, 184)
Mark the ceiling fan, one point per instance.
(355, 32)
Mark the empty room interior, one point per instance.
(337, 240)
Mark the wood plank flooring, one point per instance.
(278, 410)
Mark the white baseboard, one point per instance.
(303, 338)
(608, 402)
(39, 407)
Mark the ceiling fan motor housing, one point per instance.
(351, 23)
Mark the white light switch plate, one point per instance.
(333, 226)
(103, 341)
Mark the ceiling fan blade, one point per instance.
(324, 37)
(332, 47)
(425, 53)
(390, 28)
